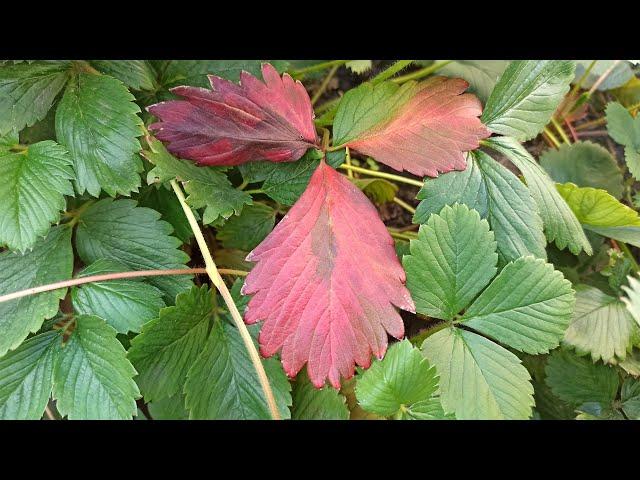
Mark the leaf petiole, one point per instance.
(388, 176)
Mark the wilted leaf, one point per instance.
(325, 283)
(233, 124)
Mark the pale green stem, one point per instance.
(391, 71)
(404, 205)
(422, 72)
(388, 176)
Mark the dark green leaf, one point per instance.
(249, 228)
(34, 182)
(97, 122)
(27, 91)
(134, 236)
(169, 345)
(124, 304)
(577, 380)
(26, 377)
(51, 260)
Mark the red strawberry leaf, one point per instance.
(423, 128)
(325, 283)
(233, 124)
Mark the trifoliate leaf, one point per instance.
(50, 261)
(497, 195)
(600, 325)
(434, 121)
(248, 229)
(97, 121)
(326, 282)
(27, 91)
(207, 187)
(311, 403)
(135, 74)
(620, 74)
(526, 96)
(169, 345)
(124, 304)
(34, 182)
(92, 376)
(452, 260)
(478, 378)
(378, 190)
(577, 380)
(223, 384)
(251, 121)
(403, 378)
(625, 130)
(601, 213)
(527, 306)
(560, 224)
(134, 236)
(26, 377)
(482, 75)
(586, 164)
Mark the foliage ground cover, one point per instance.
(287, 239)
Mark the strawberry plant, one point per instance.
(319, 239)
